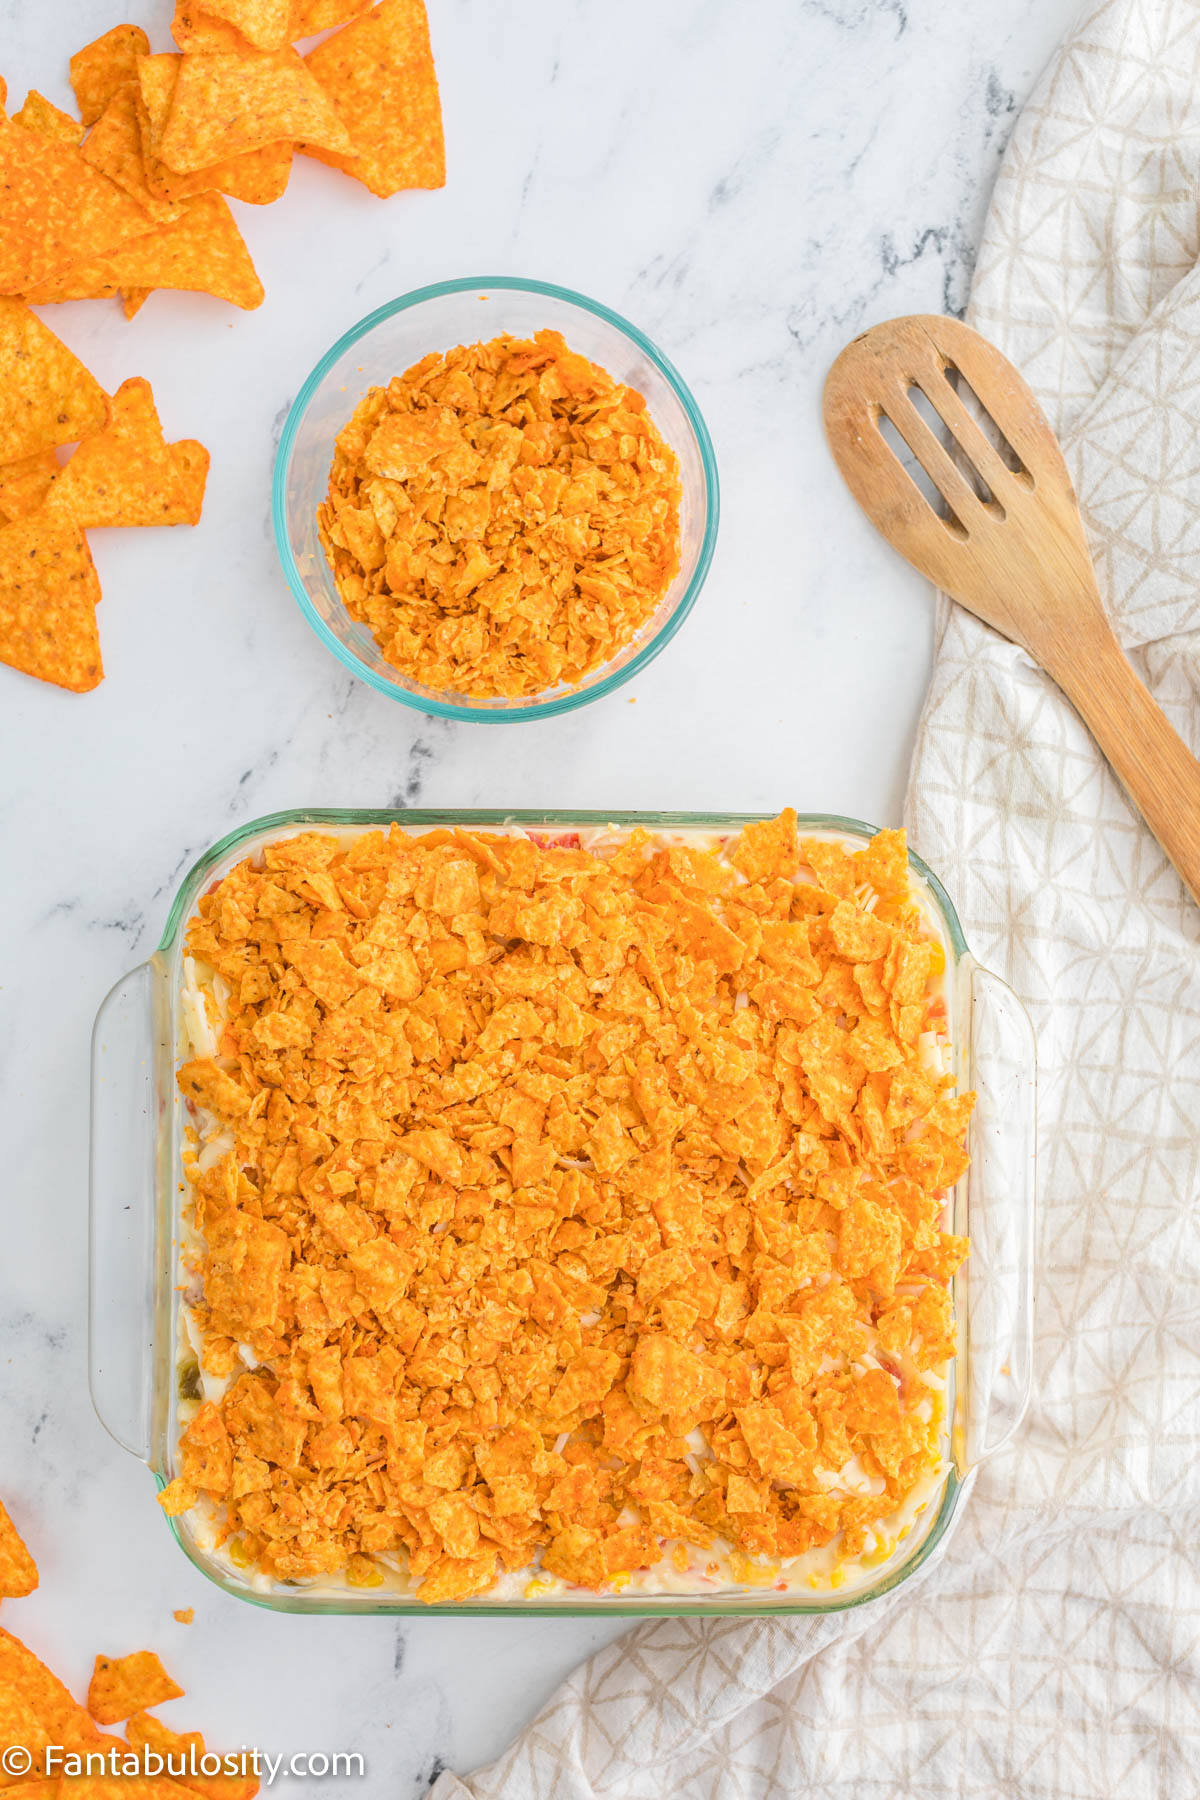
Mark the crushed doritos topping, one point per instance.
(564, 1208)
(504, 517)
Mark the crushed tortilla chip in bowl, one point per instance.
(515, 1212)
(559, 419)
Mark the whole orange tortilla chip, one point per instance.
(104, 65)
(224, 105)
(47, 397)
(48, 595)
(61, 1718)
(114, 146)
(25, 484)
(380, 76)
(144, 1731)
(259, 177)
(126, 474)
(260, 24)
(202, 251)
(18, 1571)
(124, 1685)
(55, 208)
(40, 114)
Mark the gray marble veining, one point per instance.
(750, 184)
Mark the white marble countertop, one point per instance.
(751, 185)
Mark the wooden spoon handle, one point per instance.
(1150, 759)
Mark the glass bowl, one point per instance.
(389, 341)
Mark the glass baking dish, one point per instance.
(138, 1188)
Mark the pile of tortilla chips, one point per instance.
(504, 517)
(36, 1711)
(565, 1207)
(122, 472)
(130, 196)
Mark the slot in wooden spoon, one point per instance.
(1010, 544)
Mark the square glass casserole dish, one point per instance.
(138, 1191)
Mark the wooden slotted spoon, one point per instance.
(1012, 549)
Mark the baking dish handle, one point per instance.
(1001, 1216)
(121, 1207)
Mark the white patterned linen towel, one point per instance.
(1053, 1652)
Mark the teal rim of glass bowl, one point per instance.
(572, 697)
